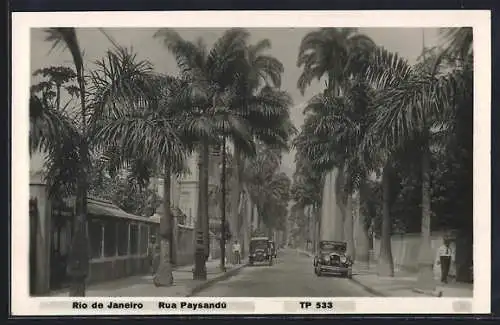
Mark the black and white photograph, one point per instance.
(184, 166)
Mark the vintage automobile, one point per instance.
(260, 251)
(274, 249)
(332, 259)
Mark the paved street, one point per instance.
(291, 276)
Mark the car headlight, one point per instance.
(343, 259)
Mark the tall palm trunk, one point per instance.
(385, 265)
(339, 203)
(163, 276)
(235, 197)
(317, 226)
(201, 251)
(349, 228)
(426, 260)
(245, 229)
(223, 208)
(78, 264)
(361, 229)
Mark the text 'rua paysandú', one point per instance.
(192, 305)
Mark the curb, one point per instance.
(428, 292)
(368, 288)
(208, 283)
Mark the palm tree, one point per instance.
(306, 191)
(211, 78)
(414, 103)
(332, 136)
(340, 54)
(146, 130)
(264, 108)
(334, 52)
(69, 158)
(268, 187)
(78, 263)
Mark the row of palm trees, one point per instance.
(376, 114)
(130, 116)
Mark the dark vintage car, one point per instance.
(332, 259)
(260, 251)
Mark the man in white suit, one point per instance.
(445, 257)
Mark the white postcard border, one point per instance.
(23, 304)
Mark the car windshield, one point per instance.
(332, 246)
(258, 244)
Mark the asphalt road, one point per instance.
(291, 276)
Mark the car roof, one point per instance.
(259, 238)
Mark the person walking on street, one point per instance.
(445, 258)
(236, 252)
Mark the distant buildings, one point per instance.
(184, 189)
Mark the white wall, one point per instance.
(405, 250)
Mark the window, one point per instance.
(134, 239)
(110, 244)
(144, 240)
(122, 234)
(95, 236)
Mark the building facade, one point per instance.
(184, 189)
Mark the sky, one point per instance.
(407, 42)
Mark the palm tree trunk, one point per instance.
(223, 209)
(235, 196)
(385, 265)
(339, 205)
(361, 231)
(349, 228)
(426, 261)
(245, 226)
(78, 264)
(200, 271)
(317, 226)
(163, 276)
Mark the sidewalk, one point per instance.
(142, 286)
(402, 284)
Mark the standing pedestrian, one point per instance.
(445, 258)
(236, 252)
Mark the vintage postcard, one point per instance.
(324, 162)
